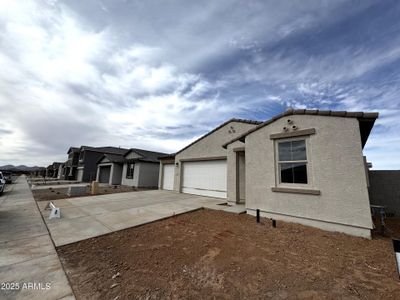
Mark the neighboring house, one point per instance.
(60, 173)
(55, 169)
(49, 171)
(201, 167)
(88, 158)
(71, 165)
(39, 171)
(137, 167)
(303, 166)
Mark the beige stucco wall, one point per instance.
(209, 147)
(336, 168)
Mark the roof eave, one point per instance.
(367, 117)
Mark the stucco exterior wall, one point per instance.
(385, 190)
(335, 168)
(210, 146)
(160, 173)
(148, 175)
(127, 181)
(116, 174)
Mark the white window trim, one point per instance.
(310, 179)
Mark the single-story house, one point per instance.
(137, 167)
(88, 158)
(302, 166)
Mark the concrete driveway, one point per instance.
(86, 217)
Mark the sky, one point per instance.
(159, 74)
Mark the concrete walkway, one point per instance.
(86, 217)
(27, 257)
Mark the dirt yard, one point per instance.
(213, 254)
(61, 193)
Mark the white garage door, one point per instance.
(206, 178)
(168, 177)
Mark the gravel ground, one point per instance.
(217, 255)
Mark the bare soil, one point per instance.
(61, 193)
(217, 255)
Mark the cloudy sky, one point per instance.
(158, 74)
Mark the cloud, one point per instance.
(158, 75)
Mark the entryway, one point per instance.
(240, 177)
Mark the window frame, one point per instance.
(128, 174)
(278, 175)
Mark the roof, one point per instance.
(73, 149)
(219, 127)
(114, 158)
(146, 155)
(366, 121)
(107, 149)
(133, 160)
(168, 156)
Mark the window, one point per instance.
(292, 162)
(129, 171)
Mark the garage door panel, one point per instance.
(206, 178)
(104, 176)
(168, 177)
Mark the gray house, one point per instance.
(137, 167)
(303, 166)
(88, 158)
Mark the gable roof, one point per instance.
(114, 158)
(217, 128)
(365, 119)
(73, 149)
(146, 155)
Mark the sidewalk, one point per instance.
(29, 265)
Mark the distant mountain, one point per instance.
(21, 168)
